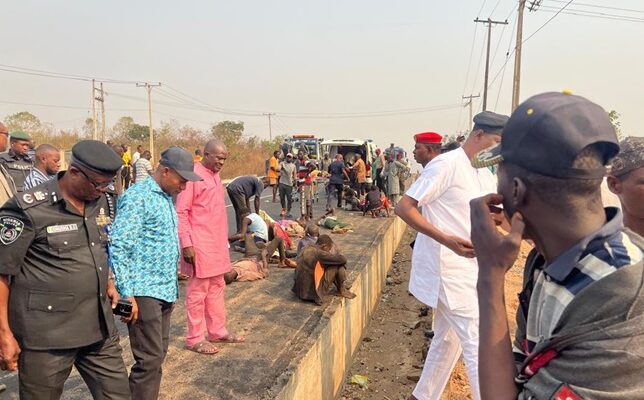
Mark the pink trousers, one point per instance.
(205, 309)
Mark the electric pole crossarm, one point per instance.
(489, 23)
(469, 103)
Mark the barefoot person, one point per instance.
(248, 269)
(203, 234)
(318, 267)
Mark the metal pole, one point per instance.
(94, 122)
(487, 63)
(516, 83)
(103, 127)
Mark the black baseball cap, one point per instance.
(546, 133)
(181, 161)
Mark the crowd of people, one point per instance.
(106, 236)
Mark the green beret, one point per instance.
(19, 135)
(96, 156)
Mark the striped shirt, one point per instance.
(143, 168)
(35, 178)
(556, 284)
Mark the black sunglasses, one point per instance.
(96, 185)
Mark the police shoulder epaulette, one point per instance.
(33, 197)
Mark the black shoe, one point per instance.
(429, 334)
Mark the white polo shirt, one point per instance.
(443, 191)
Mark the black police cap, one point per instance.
(96, 156)
(490, 122)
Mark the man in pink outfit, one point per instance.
(203, 235)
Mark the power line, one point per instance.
(547, 22)
(51, 74)
(600, 6)
(585, 13)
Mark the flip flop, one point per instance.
(229, 338)
(203, 347)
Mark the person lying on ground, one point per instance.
(248, 269)
(330, 221)
(372, 201)
(318, 267)
(312, 232)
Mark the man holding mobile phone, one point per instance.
(145, 254)
(56, 299)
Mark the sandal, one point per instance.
(203, 348)
(229, 338)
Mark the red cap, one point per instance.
(428, 137)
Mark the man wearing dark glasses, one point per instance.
(56, 297)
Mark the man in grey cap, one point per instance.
(7, 187)
(580, 322)
(444, 270)
(16, 161)
(626, 180)
(56, 298)
(145, 254)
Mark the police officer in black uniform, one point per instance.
(56, 297)
(16, 161)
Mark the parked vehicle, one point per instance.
(349, 148)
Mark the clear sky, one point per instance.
(313, 57)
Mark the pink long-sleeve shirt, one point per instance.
(201, 212)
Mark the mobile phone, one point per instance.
(123, 308)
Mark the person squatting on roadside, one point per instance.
(580, 322)
(144, 254)
(318, 267)
(203, 236)
(56, 297)
(444, 270)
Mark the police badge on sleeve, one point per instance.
(10, 229)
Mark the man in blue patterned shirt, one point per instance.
(144, 255)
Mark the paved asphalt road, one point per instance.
(75, 388)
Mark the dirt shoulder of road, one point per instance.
(393, 347)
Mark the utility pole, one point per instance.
(489, 23)
(270, 130)
(94, 123)
(469, 103)
(516, 83)
(148, 86)
(101, 99)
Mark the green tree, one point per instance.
(229, 132)
(139, 132)
(614, 119)
(123, 126)
(23, 121)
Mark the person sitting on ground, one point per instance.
(318, 267)
(626, 180)
(254, 231)
(248, 269)
(351, 201)
(372, 201)
(312, 232)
